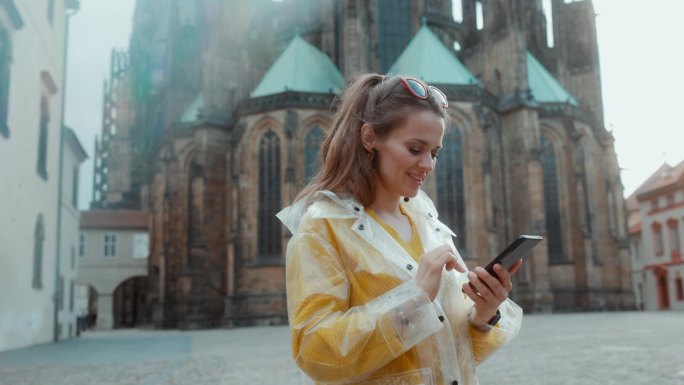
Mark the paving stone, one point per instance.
(556, 349)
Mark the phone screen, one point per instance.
(515, 251)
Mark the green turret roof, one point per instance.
(545, 88)
(428, 59)
(301, 67)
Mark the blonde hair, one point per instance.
(346, 167)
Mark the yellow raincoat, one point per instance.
(356, 314)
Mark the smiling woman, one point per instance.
(372, 289)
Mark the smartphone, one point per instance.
(515, 251)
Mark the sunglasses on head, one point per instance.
(420, 90)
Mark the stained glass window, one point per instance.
(269, 237)
(312, 146)
(554, 229)
(450, 191)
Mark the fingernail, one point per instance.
(479, 269)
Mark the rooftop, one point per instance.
(114, 219)
(301, 67)
(428, 59)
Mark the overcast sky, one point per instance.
(642, 74)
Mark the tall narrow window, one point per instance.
(457, 10)
(5, 62)
(679, 287)
(269, 234)
(394, 30)
(71, 296)
(657, 238)
(74, 189)
(42, 138)
(38, 240)
(51, 11)
(312, 147)
(479, 15)
(675, 243)
(554, 227)
(81, 245)
(110, 245)
(548, 15)
(450, 191)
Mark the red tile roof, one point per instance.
(666, 175)
(114, 219)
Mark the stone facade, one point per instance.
(527, 166)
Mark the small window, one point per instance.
(670, 200)
(657, 238)
(73, 258)
(679, 287)
(81, 245)
(110, 245)
(674, 237)
(51, 11)
(654, 204)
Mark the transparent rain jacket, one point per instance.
(356, 314)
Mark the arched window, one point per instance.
(312, 147)
(269, 237)
(554, 229)
(5, 62)
(450, 192)
(38, 239)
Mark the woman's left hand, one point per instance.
(488, 291)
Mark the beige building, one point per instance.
(656, 235)
(32, 59)
(112, 252)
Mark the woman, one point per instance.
(372, 294)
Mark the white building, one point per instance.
(113, 251)
(656, 234)
(73, 156)
(32, 58)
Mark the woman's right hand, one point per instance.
(431, 265)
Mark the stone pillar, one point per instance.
(105, 311)
(524, 178)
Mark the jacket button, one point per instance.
(357, 209)
(454, 382)
(437, 229)
(430, 215)
(409, 266)
(441, 318)
(361, 227)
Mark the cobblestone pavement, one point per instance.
(581, 348)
